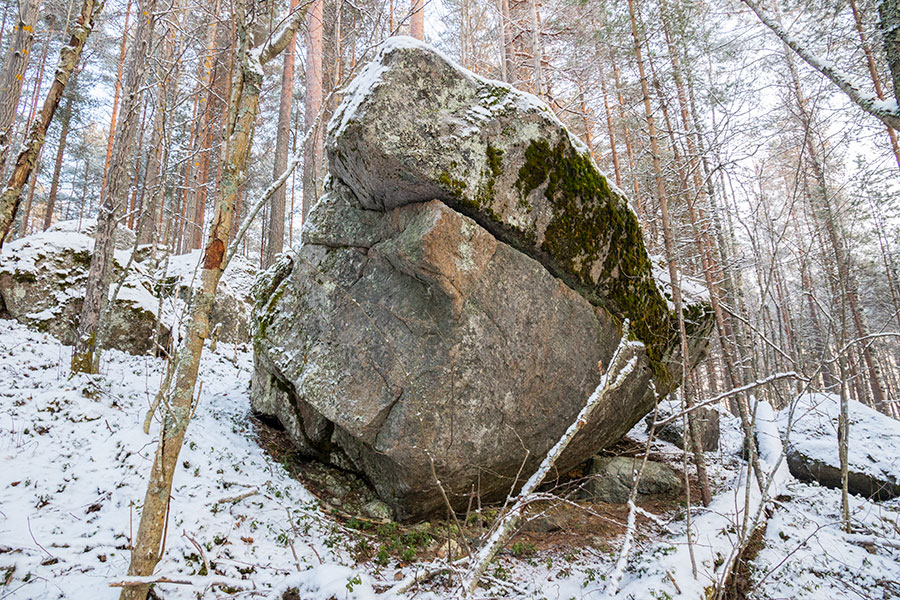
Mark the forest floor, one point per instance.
(74, 462)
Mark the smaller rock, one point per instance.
(378, 510)
(42, 281)
(874, 464)
(611, 480)
(232, 305)
(448, 549)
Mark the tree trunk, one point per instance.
(416, 19)
(85, 357)
(873, 73)
(34, 102)
(313, 151)
(179, 391)
(117, 94)
(510, 72)
(536, 49)
(158, 156)
(13, 75)
(69, 56)
(65, 119)
(889, 15)
(282, 141)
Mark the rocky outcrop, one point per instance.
(232, 306)
(43, 276)
(458, 290)
(812, 454)
(42, 280)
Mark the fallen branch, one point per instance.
(238, 498)
(196, 581)
(619, 369)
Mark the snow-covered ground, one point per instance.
(74, 458)
(73, 462)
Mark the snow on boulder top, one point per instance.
(813, 438)
(124, 237)
(692, 289)
(415, 126)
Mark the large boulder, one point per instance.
(872, 457)
(455, 295)
(414, 126)
(42, 280)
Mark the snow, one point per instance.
(238, 277)
(693, 290)
(73, 462)
(28, 254)
(824, 561)
(874, 447)
(73, 467)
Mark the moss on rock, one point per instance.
(590, 223)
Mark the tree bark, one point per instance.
(34, 102)
(65, 120)
(69, 55)
(117, 94)
(417, 19)
(85, 357)
(889, 15)
(179, 391)
(282, 142)
(12, 77)
(314, 148)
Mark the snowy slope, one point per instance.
(73, 459)
(874, 447)
(73, 462)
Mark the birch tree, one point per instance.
(176, 398)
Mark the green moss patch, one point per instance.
(591, 223)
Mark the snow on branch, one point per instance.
(887, 111)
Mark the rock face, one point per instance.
(42, 279)
(874, 465)
(455, 288)
(611, 480)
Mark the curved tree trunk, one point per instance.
(69, 55)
